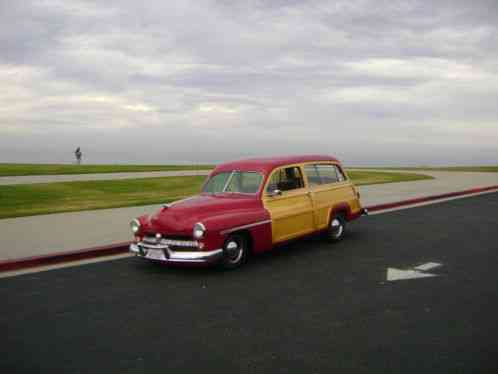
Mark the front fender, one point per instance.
(256, 222)
(144, 224)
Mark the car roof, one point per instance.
(267, 164)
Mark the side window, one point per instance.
(286, 179)
(327, 173)
(312, 174)
(340, 175)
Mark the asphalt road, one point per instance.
(309, 307)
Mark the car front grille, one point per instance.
(176, 244)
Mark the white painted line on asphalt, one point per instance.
(428, 203)
(39, 269)
(427, 266)
(394, 274)
(397, 274)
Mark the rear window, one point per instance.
(340, 174)
(323, 174)
(312, 174)
(327, 174)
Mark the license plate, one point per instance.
(155, 254)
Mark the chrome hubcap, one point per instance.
(234, 252)
(337, 228)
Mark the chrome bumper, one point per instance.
(177, 256)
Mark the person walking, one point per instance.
(78, 155)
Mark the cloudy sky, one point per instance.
(372, 82)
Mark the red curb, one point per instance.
(59, 257)
(376, 208)
(118, 248)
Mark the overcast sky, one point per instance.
(372, 82)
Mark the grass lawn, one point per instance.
(32, 199)
(364, 177)
(485, 169)
(53, 169)
(45, 198)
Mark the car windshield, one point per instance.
(234, 181)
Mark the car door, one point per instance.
(327, 188)
(287, 200)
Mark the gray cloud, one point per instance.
(375, 82)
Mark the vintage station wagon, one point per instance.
(250, 206)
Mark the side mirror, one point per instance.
(275, 193)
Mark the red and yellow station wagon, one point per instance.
(250, 206)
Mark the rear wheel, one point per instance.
(235, 251)
(337, 228)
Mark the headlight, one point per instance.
(199, 231)
(135, 226)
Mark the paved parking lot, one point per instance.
(309, 307)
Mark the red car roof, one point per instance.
(268, 164)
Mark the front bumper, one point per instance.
(171, 256)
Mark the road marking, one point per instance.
(427, 266)
(416, 205)
(394, 274)
(39, 269)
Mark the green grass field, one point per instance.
(482, 169)
(46, 198)
(365, 177)
(54, 169)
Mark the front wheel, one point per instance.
(235, 251)
(337, 228)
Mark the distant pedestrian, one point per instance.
(78, 155)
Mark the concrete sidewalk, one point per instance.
(444, 182)
(47, 234)
(32, 179)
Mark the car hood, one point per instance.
(179, 218)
